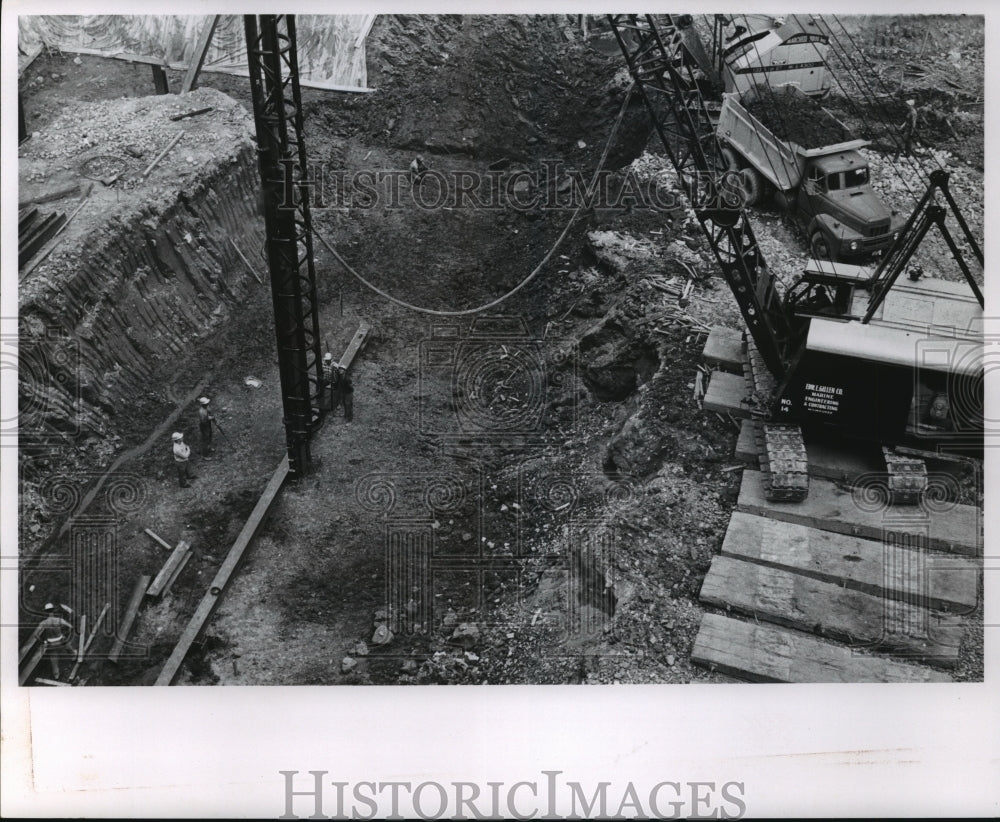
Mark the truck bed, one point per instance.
(752, 128)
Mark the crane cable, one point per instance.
(864, 88)
(468, 311)
(871, 94)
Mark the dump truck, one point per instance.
(815, 171)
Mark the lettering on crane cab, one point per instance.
(822, 399)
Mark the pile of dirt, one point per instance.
(794, 117)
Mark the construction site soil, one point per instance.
(572, 530)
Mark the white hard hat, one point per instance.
(204, 400)
(49, 606)
(177, 435)
(327, 357)
(910, 102)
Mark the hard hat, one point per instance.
(327, 357)
(910, 102)
(204, 400)
(49, 606)
(177, 435)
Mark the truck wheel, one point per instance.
(756, 186)
(820, 247)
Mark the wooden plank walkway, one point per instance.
(765, 653)
(131, 612)
(724, 349)
(821, 608)
(726, 394)
(942, 581)
(833, 508)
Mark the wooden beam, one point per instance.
(198, 57)
(357, 343)
(724, 349)
(167, 571)
(830, 507)
(727, 394)
(943, 581)
(161, 155)
(177, 573)
(43, 681)
(27, 647)
(162, 542)
(815, 607)
(131, 611)
(758, 652)
(226, 570)
(90, 639)
(246, 262)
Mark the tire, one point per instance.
(752, 183)
(819, 246)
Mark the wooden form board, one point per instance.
(759, 652)
(169, 568)
(821, 608)
(724, 349)
(726, 394)
(356, 344)
(942, 581)
(128, 620)
(832, 508)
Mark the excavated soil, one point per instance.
(800, 119)
(569, 549)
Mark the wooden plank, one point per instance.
(177, 573)
(43, 681)
(160, 83)
(168, 569)
(727, 394)
(29, 645)
(246, 262)
(942, 581)
(226, 570)
(832, 508)
(816, 607)
(163, 543)
(131, 612)
(198, 56)
(161, 155)
(90, 639)
(746, 444)
(724, 349)
(357, 343)
(759, 652)
(25, 673)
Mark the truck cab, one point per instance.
(845, 217)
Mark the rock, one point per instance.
(466, 635)
(450, 619)
(466, 536)
(348, 664)
(361, 649)
(638, 448)
(77, 61)
(382, 635)
(670, 659)
(580, 144)
(409, 666)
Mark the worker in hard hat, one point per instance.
(205, 425)
(325, 399)
(343, 392)
(55, 633)
(182, 457)
(417, 169)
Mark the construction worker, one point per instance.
(417, 169)
(205, 425)
(326, 386)
(343, 392)
(182, 456)
(55, 633)
(910, 125)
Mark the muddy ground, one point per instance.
(572, 518)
